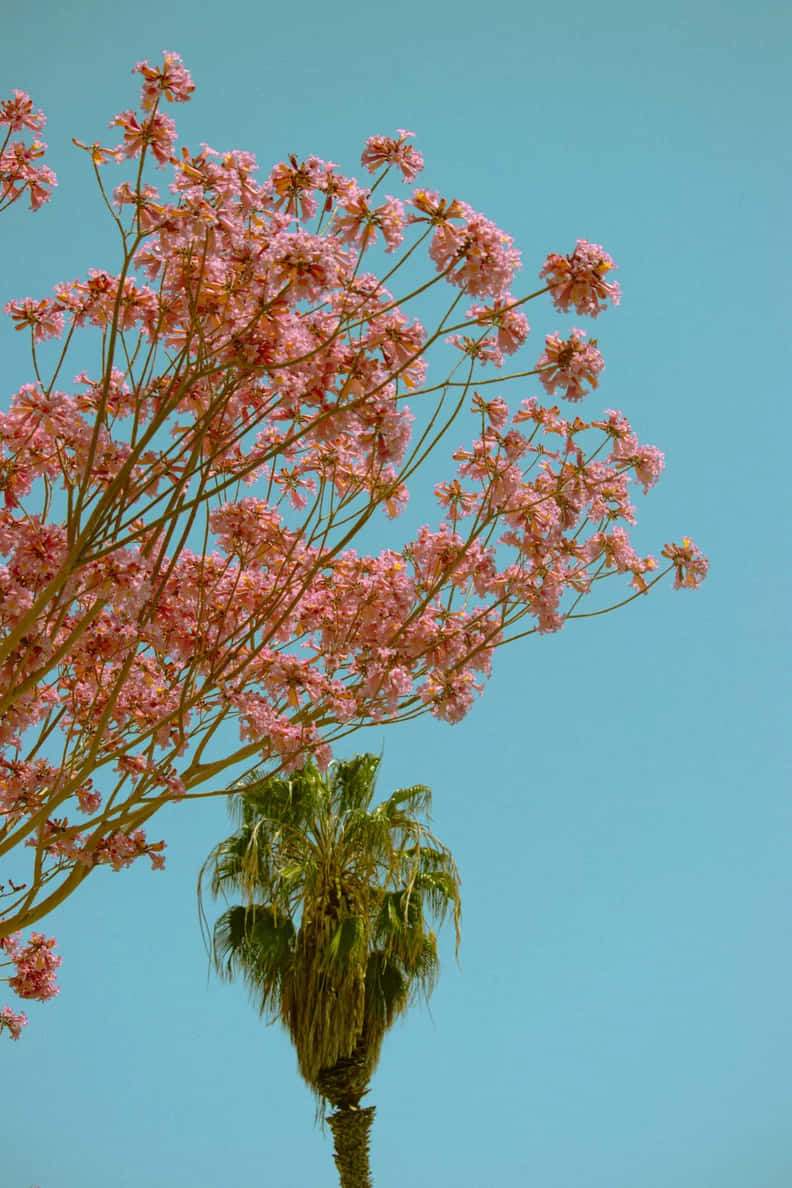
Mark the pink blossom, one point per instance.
(20, 172)
(496, 411)
(36, 965)
(148, 210)
(384, 150)
(690, 564)
(450, 695)
(293, 185)
(17, 114)
(88, 798)
(360, 222)
(35, 412)
(456, 499)
(307, 264)
(434, 209)
(356, 225)
(23, 786)
(391, 218)
(11, 945)
(171, 79)
(386, 680)
(512, 324)
(13, 1021)
(401, 345)
(577, 279)
(615, 549)
(121, 849)
(546, 603)
(569, 364)
(483, 350)
(39, 552)
(112, 393)
(250, 528)
(45, 318)
(616, 426)
(646, 461)
(92, 300)
(157, 130)
(480, 258)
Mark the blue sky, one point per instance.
(618, 802)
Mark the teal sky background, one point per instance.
(619, 800)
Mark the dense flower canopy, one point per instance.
(179, 527)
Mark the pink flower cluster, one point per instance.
(65, 843)
(156, 131)
(384, 150)
(477, 257)
(359, 223)
(510, 328)
(36, 965)
(578, 279)
(13, 1021)
(20, 170)
(171, 79)
(569, 364)
(121, 849)
(645, 461)
(690, 564)
(510, 324)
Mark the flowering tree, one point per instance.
(178, 530)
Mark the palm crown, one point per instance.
(332, 936)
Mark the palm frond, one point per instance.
(408, 803)
(387, 988)
(352, 782)
(253, 941)
(348, 944)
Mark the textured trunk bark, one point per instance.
(351, 1127)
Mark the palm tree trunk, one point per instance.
(351, 1127)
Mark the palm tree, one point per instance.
(332, 936)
